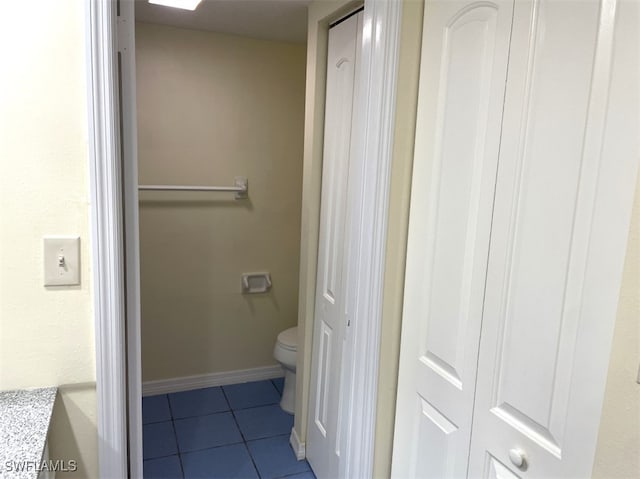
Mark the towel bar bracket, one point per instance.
(243, 183)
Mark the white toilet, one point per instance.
(285, 352)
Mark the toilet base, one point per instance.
(288, 401)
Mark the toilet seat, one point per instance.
(288, 339)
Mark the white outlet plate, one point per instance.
(61, 261)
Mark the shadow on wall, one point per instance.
(148, 201)
(73, 429)
(262, 301)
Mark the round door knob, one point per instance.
(518, 457)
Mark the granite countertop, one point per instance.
(24, 424)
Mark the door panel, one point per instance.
(323, 449)
(540, 215)
(463, 71)
(439, 433)
(467, 56)
(323, 378)
(544, 349)
(494, 469)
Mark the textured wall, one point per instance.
(46, 334)
(211, 107)
(618, 452)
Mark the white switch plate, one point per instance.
(61, 261)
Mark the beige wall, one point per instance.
(211, 107)
(618, 452)
(46, 334)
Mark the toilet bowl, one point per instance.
(285, 352)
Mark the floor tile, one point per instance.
(264, 421)
(155, 409)
(303, 475)
(274, 457)
(279, 384)
(203, 432)
(227, 462)
(159, 440)
(259, 393)
(197, 402)
(163, 468)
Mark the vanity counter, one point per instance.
(25, 416)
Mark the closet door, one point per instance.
(323, 444)
(568, 163)
(462, 78)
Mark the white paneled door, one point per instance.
(330, 321)
(462, 80)
(566, 173)
(526, 157)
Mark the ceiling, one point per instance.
(284, 20)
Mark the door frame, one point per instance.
(113, 177)
(373, 134)
(115, 257)
(373, 139)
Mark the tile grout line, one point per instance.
(274, 385)
(278, 393)
(222, 412)
(295, 474)
(244, 440)
(209, 448)
(175, 435)
(157, 422)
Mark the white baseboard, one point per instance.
(298, 447)
(187, 383)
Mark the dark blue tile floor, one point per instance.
(228, 432)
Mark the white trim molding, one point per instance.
(373, 144)
(187, 383)
(127, 65)
(107, 235)
(298, 447)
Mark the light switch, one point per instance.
(61, 261)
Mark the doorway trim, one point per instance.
(113, 177)
(107, 238)
(115, 256)
(373, 138)
(375, 121)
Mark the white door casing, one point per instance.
(323, 448)
(567, 169)
(461, 91)
(113, 179)
(129, 139)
